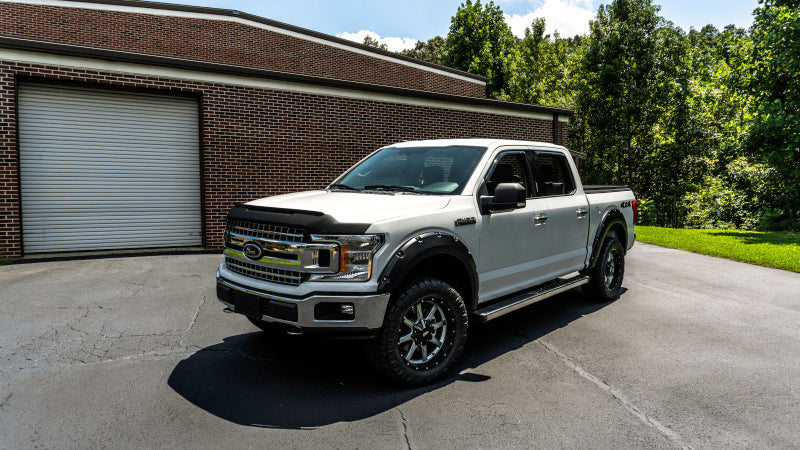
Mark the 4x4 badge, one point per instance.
(252, 251)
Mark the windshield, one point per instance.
(427, 170)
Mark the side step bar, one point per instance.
(528, 298)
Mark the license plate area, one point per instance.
(247, 304)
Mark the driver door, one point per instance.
(510, 258)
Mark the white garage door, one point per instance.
(106, 169)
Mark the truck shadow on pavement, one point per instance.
(256, 380)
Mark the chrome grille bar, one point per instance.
(281, 276)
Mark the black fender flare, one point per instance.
(611, 216)
(421, 247)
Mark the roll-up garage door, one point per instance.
(107, 169)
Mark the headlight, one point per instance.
(355, 256)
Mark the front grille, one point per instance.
(281, 276)
(265, 231)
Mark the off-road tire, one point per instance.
(439, 302)
(605, 278)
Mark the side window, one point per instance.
(510, 168)
(554, 176)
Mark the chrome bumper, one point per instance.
(368, 309)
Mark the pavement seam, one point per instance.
(617, 395)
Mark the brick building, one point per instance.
(131, 124)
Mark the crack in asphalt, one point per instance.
(405, 428)
(154, 355)
(84, 339)
(194, 319)
(617, 395)
(5, 401)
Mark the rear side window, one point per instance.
(553, 176)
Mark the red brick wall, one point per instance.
(216, 41)
(292, 141)
(9, 180)
(563, 134)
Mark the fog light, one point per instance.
(334, 311)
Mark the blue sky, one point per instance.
(400, 24)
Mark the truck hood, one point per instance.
(357, 207)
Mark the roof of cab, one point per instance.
(489, 143)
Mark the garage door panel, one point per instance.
(99, 169)
(125, 161)
(133, 102)
(104, 169)
(64, 140)
(98, 131)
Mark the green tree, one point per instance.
(369, 41)
(616, 92)
(634, 104)
(674, 162)
(481, 42)
(775, 85)
(540, 70)
(431, 50)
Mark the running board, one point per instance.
(528, 298)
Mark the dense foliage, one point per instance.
(704, 125)
(480, 42)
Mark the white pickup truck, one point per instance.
(419, 238)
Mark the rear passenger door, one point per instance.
(567, 211)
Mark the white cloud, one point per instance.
(394, 44)
(569, 17)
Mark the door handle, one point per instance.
(540, 219)
(582, 212)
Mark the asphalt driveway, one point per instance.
(132, 352)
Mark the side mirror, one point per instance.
(507, 196)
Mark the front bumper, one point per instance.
(310, 313)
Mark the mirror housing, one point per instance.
(507, 196)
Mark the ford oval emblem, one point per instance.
(252, 251)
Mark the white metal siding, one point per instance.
(107, 169)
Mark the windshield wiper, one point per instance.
(389, 187)
(344, 186)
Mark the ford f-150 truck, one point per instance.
(419, 239)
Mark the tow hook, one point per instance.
(294, 331)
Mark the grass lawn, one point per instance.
(778, 249)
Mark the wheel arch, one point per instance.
(436, 254)
(613, 222)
